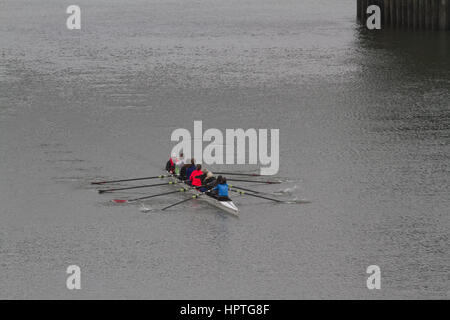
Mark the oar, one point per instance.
(266, 182)
(137, 187)
(148, 197)
(180, 202)
(254, 195)
(240, 188)
(134, 179)
(272, 199)
(240, 174)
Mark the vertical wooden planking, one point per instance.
(398, 13)
(415, 16)
(410, 13)
(444, 11)
(387, 12)
(432, 14)
(358, 10)
(421, 14)
(435, 14)
(392, 12)
(405, 13)
(363, 12)
(427, 13)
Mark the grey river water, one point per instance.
(364, 121)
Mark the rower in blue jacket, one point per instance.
(222, 190)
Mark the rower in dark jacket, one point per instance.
(182, 175)
(190, 169)
(170, 165)
(208, 180)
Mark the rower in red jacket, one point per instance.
(170, 165)
(195, 176)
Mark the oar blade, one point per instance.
(120, 201)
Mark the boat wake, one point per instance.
(144, 208)
(287, 191)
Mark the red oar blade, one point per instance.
(120, 201)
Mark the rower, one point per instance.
(213, 192)
(222, 190)
(195, 176)
(170, 165)
(183, 169)
(207, 179)
(190, 169)
(179, 163)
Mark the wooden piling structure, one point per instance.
(415, 14)
(408, 14)
(444, 14)
(427, 14)
(398, 8)
(393, 10)
(421, 13)
(404, 17)
(387, 12)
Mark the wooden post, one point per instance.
(414, 9)
(410, 14)
(363, 12)
(427, 13)
(405, 14)
(398, 13)
(387, 13)
(392, 12)
(402, 13)
(444, 15)
(421, 14)
(380, 3)
(358, 10)
(436, 5)
(434, 14)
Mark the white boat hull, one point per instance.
(227, 206)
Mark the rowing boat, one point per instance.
(227, 206)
